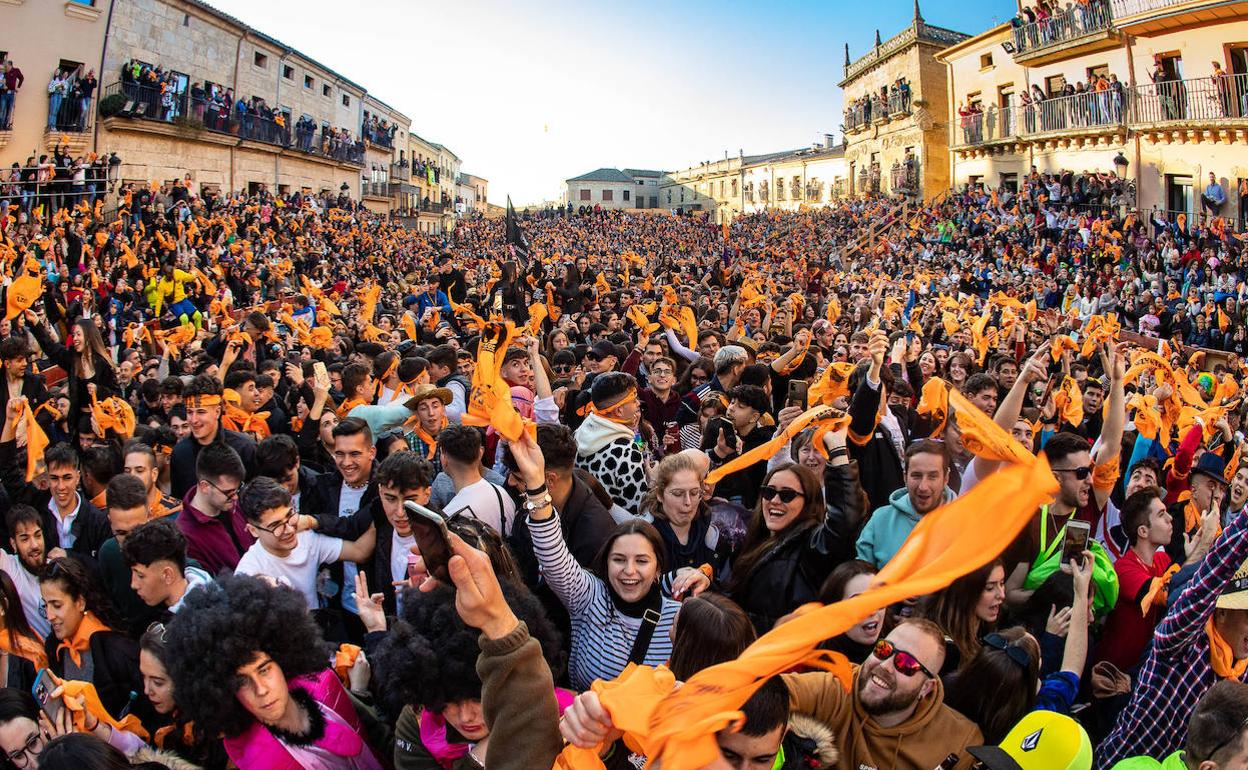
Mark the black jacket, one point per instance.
(115, 661)
(880, 465)
(104, 378)
(322, 502)
(90, 527)
(792, 572)
(377, 572)
(182, 462)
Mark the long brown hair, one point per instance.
(953, 609)
(93, 346)
(710, 629)
(759, 540)
(995, 691)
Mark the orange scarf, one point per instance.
(1220, 655)
(348, 405)
(80, 642)
(431, 441)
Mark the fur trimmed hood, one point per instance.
(813, 739)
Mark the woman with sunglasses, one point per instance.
(681, 515)
(248, 662)
(83, 644)
(795, 537)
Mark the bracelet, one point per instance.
(535, 491)
(538, 504)
(840, 451)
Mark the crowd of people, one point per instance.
(654, 448)
(1049, 21)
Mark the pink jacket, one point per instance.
(258, 749)
(433, 732)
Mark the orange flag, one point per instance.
(834, 310)
(1069, 401)
(831, 384)
(947, 543)
(408, 325)
(23, 292)
(489, 403)
(537, 314)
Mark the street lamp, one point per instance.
(1120, 165)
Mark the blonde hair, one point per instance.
(662, 476)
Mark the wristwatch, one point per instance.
(537, 503)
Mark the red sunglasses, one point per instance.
(904, 662)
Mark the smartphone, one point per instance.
(1076, 541)
(432, 538)
(321, 375)
(44, 685)
(797, 393)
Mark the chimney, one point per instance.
(829, 141)
(877, 38)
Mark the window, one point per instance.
(608, 195)
(186, 20)
(584, 195)
(1100, 71)
(975, 98)
(1054, 84)
(985, 61)
(346, 100)
(288, 72)
(307, 81)
(84, 2)
(669, 195)
(259, 59)
(626, 193)
(734, 188)
(326, 91)
(654, 200)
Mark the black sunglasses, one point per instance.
(786, 495)
(1013, 652)
(1080, 473)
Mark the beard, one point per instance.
(895, 700)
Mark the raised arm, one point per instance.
(1111, 432)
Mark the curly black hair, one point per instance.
(222, 627)
(429, 658)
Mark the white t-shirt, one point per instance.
(298, 568)
(348, 504)
(400, 549)
(28, 589)
(484, 502)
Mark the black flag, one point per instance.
(515, 236)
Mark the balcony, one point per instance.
(898, 102)
(400, 172)
(215, 121)
(1080, 30)
(1154, 17)
(1196, 104)
(376, 190)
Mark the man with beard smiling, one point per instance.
(927, 488)
(26, 539)
(893, 717)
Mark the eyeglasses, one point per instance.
(29, 750)
(786, 495)
(661, 371)
(230, 494)
(1013, 652)
(158, 630)
(290, 520)
(904, 662)
(685, 494)
(563, 368)
(1080, 473)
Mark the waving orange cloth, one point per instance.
(1069, 401)
(489, 403)
(36, 441)
(22, 293)
(947, 543)
(631, 699)
(982, 437)
(934, 404)
(91, 702)
(830, 385)
(537, 314)
(821, 415)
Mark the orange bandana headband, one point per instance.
(606, 412)
(196, 402)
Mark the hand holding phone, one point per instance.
(320, 376)
(432, 539)
(798, 393)
(45, 685)
(1075, 541)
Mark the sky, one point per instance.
(528, 94)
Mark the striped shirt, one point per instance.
(602, 636)
(1177, 671)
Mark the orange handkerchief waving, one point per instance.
(23, 292)
(934, 404)
(630, 699)
(36, 441)
(75, 690)
(946, 544)
(981, 436)
(489, 403)
(817, 415)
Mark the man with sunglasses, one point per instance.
(216, 534)
(281, 551)
(893, 717)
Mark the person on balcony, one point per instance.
(57, 90)
(11, 79)
(1214, 197)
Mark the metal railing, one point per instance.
(377, 135)
(69, 114)
(213, 113)
(1124, 8)
(400, 172)
(1216, 98)
(377, 189)
(1080, 21)
(898, 101)
(858, 116)
(7, 101)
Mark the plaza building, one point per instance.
(897, 115)
(185, 92)
(471, 193)
(791, 180)
(613, 189)
(1154, 91)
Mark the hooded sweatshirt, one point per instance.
(922, 742)
(889, 527)
(607, 451)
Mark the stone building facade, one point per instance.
(896, 113)
(1169, 123)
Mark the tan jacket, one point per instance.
(921, 743)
